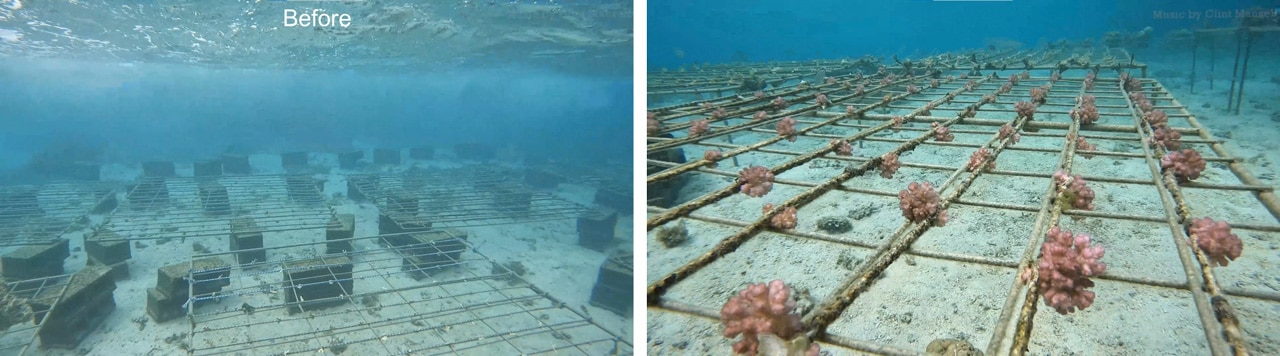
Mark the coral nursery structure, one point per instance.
(865, 282)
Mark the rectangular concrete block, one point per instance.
(209, 275)
(211, 168)
(613, 288)
(317, 283)
(358, 185)
(395, 223)
(159, 169)
(107, 248)
(350, 160)
(87, 301)
(35, 261)
(425, 252)
(236, 164)
(386, 156)
(596, 228)
(341, 227)
(246, 237)
(150, 193)
(161, 307)
(214, 200)
(293, 159)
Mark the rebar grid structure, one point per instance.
(387, 301)
(201, 207)
(1006, 196)
(470, 196)
(38, 214)
(1244, 38)
(21, 298)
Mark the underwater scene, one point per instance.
(963, 178)
(365, 177)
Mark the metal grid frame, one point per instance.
(18, 339)
(457, 307)
(1012, 332)
(276, 203)
(56, 208)
(461, 197)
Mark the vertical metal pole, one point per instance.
(1248, 45)
(1212, 56)
(1195, 47)
(1231, 94)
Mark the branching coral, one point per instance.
(712, 156)
(1007, 132)
(942, 133)
(756, 181)
(779, 103)
(699, 127)
(1039, 95)
(761, 309)
(1216, 240)
(1156, 117)
(785, 220)
(919, 202)
(1185, 165)
(1169, 138)
(760, 115)
(1132, 84)
(653, 126)
(787, 128)
(913, 89)
(897, 122)
(822, 101)
(1072, 192)
(1066, 264)
(1087, 112)
(720, 113)
(850, 110)
(1141, 102)
(843, 148)
(889, 165)
(981, 160)
(1025, 109)
(861, 89)
(1083, 147)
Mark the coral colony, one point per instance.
(889, 165)
(919, 202)
(654, 126)
(822, 100)
(1007, 132)
(761, 310)
(785, 220)
(699, 127)
(1072, 192)
(712, 156)
(942, 133)
(843, 148)
(760, 115)
(981, 160)
(756, 181)
(1087, 112)
(787, 128)
(1216, 240)
(1066, 263)
(1185, 165)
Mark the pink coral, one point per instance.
(1216, 240)
(1066, 263)
(861, 89)
(1083, 146)
(1132, 83)
(919, 202)
(913, 89)
(1087, 113)
(889, 165)
(756, 181)
(1007, 132)
(652, 125)
(760, 309)
(712, 156)
(942, 133)
(981, 159)
(1073, 193)
(699, 127)
(1186, 165)
(779, 103)
(1006, 88)
(785, 220)
(850, 110)
(1039, 95)
(760, 115)
(843, 148)
(787, 128)
(720, 113)
(822, 100)
(1156, 117)
(933, 83)
(897, 122)
(1167, 137)
(1025, 109)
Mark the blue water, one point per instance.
(128, 113)
(719, 30)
